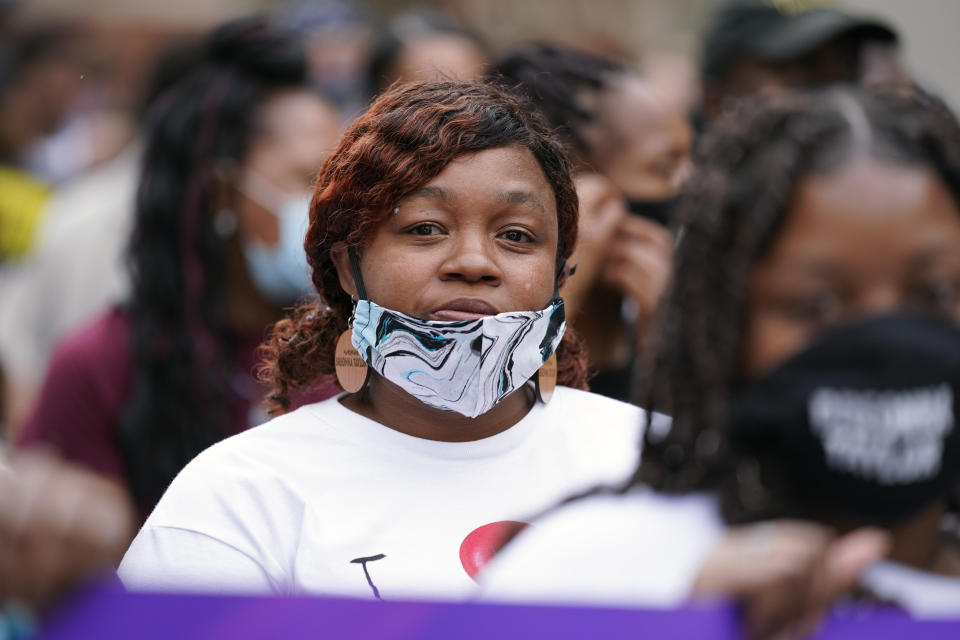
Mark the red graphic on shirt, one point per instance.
(482, 543)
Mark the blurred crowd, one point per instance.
(156, 299)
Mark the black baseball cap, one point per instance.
(779, 31)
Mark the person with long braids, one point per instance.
(439, 234)
(230, 149)
(810, 359)
(630, 150)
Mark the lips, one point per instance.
(463, 309)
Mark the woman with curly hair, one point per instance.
(439, 233)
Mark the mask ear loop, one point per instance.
(546, 379)
(357, 278)
(561, 267)
(352, 371)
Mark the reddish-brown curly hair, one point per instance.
(406, 138)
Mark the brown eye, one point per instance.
(425, 229)
(515, 235)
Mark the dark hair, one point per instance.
(405, 139)
(174, 62)
(730, 212)
(181, 344)
(556, 79)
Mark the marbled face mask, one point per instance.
(466, 366)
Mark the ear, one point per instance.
(565, 273)
(341, 262)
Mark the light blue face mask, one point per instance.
(467, 366)
(280, 273)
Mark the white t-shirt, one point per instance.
(644, 549)
(323, 500)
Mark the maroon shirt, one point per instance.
(86, 390)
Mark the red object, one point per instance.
(484, 542)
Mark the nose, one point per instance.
(472, 259)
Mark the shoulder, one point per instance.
(105, 338)
(279, 446)
(251, 477)
(571, 402)
(602, 436)
(83, 395)
(91, 365)
(600, 417)
(241, 488)
(96, 356)
(580, 402)
(638, 548)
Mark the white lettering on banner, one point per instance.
(891, 437)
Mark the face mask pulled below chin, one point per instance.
(863, 423)
(467, 366)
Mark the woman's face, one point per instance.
(299, 130)
(642, 143)
(867, 239)
(479, 239)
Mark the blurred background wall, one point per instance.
(930, 44)
(650, 29)
(657, 34)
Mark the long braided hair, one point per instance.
(747, 169)
(181, 343)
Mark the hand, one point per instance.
(638, 263)
(602, 209)
(59, 524)
(787, 574)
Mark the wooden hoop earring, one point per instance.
(352, 371)
(547, 379)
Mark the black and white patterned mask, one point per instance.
(466, 366)
(862, 423)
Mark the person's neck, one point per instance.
(386, 403)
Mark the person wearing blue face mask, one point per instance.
(279, 271)
(230, 151)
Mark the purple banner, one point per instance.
(108, 612)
